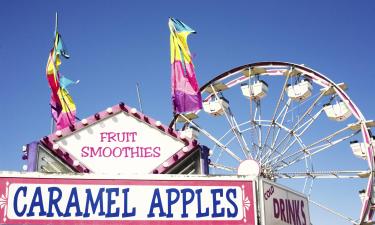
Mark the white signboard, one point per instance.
(282, 206)
(120, 143)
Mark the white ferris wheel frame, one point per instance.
(285, 69)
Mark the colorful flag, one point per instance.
(65, 82)
(186, 96)
(63, 109)
(60, 47)
(68, 110)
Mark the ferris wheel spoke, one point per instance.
(339, 174)
(253, 131)
(252, 117)
(212, 138)
(308, 193)
(233, 126)
(226, 144)
(275, 152)
(297, 137)
(310, 151)
(281, 97)
(254, 134)
(307, 152)
(277, 127)
(293, 133)
(222, 167)
(333, 212)
(309, 122)
(258, 127)
(309, 110)
(274, 147)
(324, 139)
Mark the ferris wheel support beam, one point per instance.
(234, 126)
(307, 112)
(328, 139)
(297, 136)
(222, 167)
(274, 141)
(333, 212)
(212, 138)
(282, 94)
(252, 117)
(346, 174)
(226, 144)
(254, 133)
(308, 123)
(279, 127)
(307, 153)
(259, 127)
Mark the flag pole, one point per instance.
(56, 23)
(139, 97)
(52, 120)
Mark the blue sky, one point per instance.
(115, 44)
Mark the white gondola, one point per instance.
(255, 91)
(359, 148)
(338, 111)
(300, 91)
(190, 132)
(216, 106)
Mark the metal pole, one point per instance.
(56, 23)
(52, 120)
(139, 98)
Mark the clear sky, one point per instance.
(115, 44)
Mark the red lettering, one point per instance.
(156, 151)
(296, 211)
(276, 211)
(118, 137)
(268, 193)
(303, 213)
(83, 152)
(282, 208)
(108, 151)
(147, 152)
(95, 153)
(132, 134)
(126, 149)
(134, 152)
(121, 137)
(111, 136)
(290, 211)
(126, 152)
(102, 137)
(119, 150)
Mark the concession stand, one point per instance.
(120, 166)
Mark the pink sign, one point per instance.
(27, 199)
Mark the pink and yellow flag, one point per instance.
(63, 108)
(186, 96)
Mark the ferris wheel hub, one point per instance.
(249, 167)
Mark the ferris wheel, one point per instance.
(290, 124)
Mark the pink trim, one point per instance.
(50, 140)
